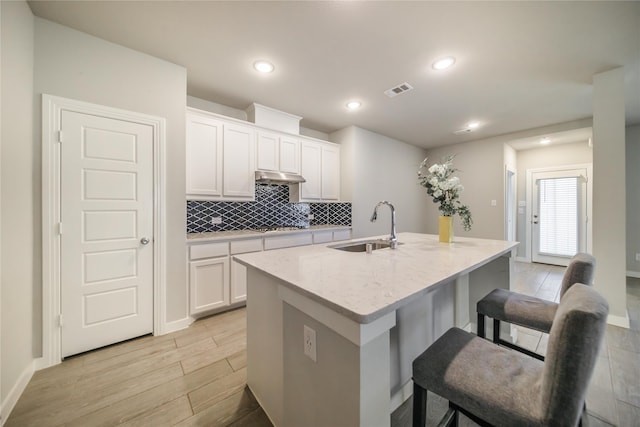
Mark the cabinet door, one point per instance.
(204, 156)
(238, 282)
(289, 155)
(209, 284)
(267, 152)
(310, 161)
(330, 172)
(239, 162)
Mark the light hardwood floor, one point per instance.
(197, 377)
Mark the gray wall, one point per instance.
(75, 65)
(633, 198)
(481, 165)
(558, 155)
(20, 198)
(374, 168)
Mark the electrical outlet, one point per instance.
(637, 257)
(309, 343)
(311, 217)
(216, 220)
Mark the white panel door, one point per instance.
(267, 152)
(289, 155)
(107, 231)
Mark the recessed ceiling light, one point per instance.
(473, 125)
(354, 105)
(444, 63)
(263, 66)
(545, 141)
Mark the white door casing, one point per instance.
(107, 231)
(53, 109)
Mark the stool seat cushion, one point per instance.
(498, 385)
(513, 307)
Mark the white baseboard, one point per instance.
(635, 274)
(522, 259)
(401, 395)
(16, 391)
(622, 321)
(176, 325)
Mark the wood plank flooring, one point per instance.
(197, 377)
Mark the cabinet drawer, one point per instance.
(287, 241)
(341, 235)
(208, 250)
(245, 246)
(322, 236)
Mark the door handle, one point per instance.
(144, 241)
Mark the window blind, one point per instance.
(558, 216)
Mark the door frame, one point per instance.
(52, 107)
(529, 202)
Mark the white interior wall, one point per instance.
(633, 199)
(75, 65)
(20, 221)
(375, 168)
(609, 193)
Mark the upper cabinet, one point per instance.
(220, 159)
(320, 166)
(223, 155)
(204, 156)
(239, 162)
(278, 153)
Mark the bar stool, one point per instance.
(493, 385)
(530, 312)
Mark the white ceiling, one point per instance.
(520, 65)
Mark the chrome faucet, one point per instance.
(393, 240)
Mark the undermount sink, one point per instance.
(362, 245)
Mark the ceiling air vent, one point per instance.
(462, 131)
(395, 91)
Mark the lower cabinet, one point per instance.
(217, 281)
(209, 284)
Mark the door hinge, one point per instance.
(59, 136)
(59, 229)
(60, 322)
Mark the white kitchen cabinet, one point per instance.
(279, 153)
(320, 166)
(238, 182)
(289, 155)
(330, 172)
(204, 156)
(287, 241)
(268, 151)
(238, 286)
(209, 284)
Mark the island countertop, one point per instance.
(364, 287)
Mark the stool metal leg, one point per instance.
(496, 331)
(481, 332)
(419, 406)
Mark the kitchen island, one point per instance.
(368, 316)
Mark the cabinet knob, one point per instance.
(144, 241)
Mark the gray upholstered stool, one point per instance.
(527, 311)
(493, 385)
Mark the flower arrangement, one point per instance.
(445, 189)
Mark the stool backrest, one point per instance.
(580, 270)
(574, 342)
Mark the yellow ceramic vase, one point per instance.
(445, 227)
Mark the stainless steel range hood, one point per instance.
(266, 177)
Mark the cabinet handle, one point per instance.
(144, 241)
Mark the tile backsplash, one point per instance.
(271, 208)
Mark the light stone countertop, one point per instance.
(214, 236)
(364, 287)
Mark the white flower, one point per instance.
(437, 193)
